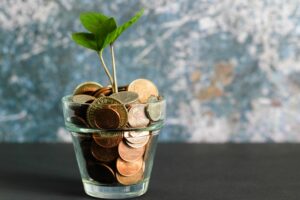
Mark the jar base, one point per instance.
(115, 192)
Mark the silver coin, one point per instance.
(137, 145)
(126, 97)
(136, 137)
(154, 109)
(137, 117)
(82, 98)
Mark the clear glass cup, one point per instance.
(113, 163)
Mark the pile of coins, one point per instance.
(118, 152)
(136, 105)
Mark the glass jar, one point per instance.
(114, 163)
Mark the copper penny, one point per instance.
(98, 94)
(104, 154)
(79, 121)
(83, 98)
(101, 172)
(102, 92)
(106, 118)
(144, 88)
(137, 117)
(108, 139)
(130, 154)
(129, 168)
(79, 110)
(87, 88)
(110, 103)
(148, 152)
(130, 180)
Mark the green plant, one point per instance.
(103, 32)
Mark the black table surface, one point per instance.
(181, 171)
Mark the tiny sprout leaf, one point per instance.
(117, 32)
(92, 20)
(103, 31)
(87, 40)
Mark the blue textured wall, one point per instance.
(229, 69)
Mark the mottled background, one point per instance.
(230, 69)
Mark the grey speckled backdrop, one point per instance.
(230, 69)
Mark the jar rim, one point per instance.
(67, 99)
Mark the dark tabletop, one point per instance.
(181, 171)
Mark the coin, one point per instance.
(107, 102)
(79, 121)
(121, 109)
(136, 139)
(129, 168)
(126, 97)
(87, 88)
(98, 93)
(130, 154)
(79, 110)
(137, 117)
(137, 133)
(85, 145)
(83, 98)
(154, 111)
(102, 92)
(130, 180)
(153, 99)
(104, 154)
(106, 118)
(123, 88)
(101, 172)
(144, 88)
(108, 139)
(137, 145)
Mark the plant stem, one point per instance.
(105, 68)
(115, 85)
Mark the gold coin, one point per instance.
(82, 98)
(126, 97)
(130, 180)
(104, 154)
(137, 117)
(107, 102)
(144, 88)
(101, 172)
(106, 118)
(87, 88)
(129, 168)
(130, 154)
(108, 139)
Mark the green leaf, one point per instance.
(87, 40)
(104, 30)
(92, 20)
(117, 32)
